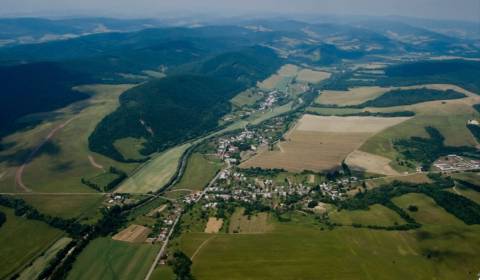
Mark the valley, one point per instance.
(269, 150)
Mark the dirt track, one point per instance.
(19, 172)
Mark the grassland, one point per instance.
(377, 215)
(362, 161)
(449, 117)
(33, 271)
(21, 240)
(301, 250)
(130, 147)
(198, 173)
(61, 164)
(246, 98)
(65, 206)
(258, 223)
(320, 143)
(429, 213)
(105, 258)
(155, 173)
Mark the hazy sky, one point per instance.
(443, 9)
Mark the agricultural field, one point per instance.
(312, 76)
(363, 161)
(332, 254)
(130, 147)
(133, 234)
(33, 271)
(22, 240)
(65, 206)
(376, 215)
(105, 258)
(429, 213)
(258, 223)
(321, 143)
(246, 98)
(449, 117)
(198, 173)
(280, 79)
(213, 225)
(155, 173)
(353, 96)
(64, 159)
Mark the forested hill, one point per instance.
(33, 88)
(463, 73)
(182, 106)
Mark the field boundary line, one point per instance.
(201, 246)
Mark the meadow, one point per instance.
(155, 173)
(301, 249)
(198, 173)
(105, 258)
(66, 158)
(33, 271)
(22, 240)
(377, 215)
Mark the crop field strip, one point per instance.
(321, 143)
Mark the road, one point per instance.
(19, 172)
(165, 243)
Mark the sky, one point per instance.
(435, 9)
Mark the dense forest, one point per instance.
(34, 88)
(462, 73)
(400, 97)
(180, 107)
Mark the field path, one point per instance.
(94, 163)
(19, 172)
(201, 246)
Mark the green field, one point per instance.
(61, 164)
(163, 273)
(130, 147)
(105, 258)
(300, 249)
(429, 213)
(248, 97)
(21, 240)
(377, 215)
(33, 271)
(200, 170)
(155, 173)
(65, 206)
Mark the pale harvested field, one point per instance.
(364, 161)
(321, 143)
(213, 225)
(346, 124)
(311, 76)
(353, 96)
(288, 70)
(358, 95)
(133, 234)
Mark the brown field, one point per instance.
(213, 225)
(133, 234)
(353, 96)
(311, 76)
(288, 70)
(321, 143)
(363, 161)
(258, 223)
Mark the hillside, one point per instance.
(459, 72)
(34, 88)
(180, 107)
